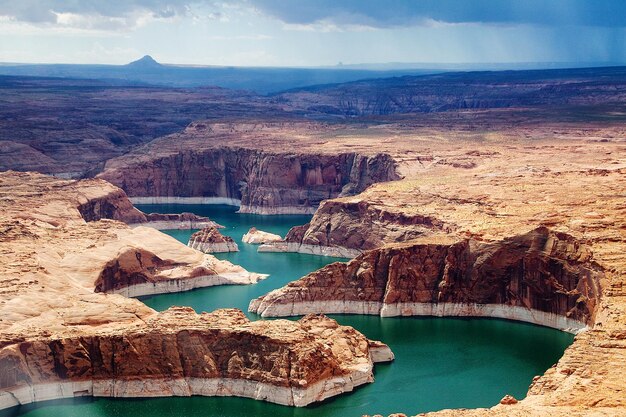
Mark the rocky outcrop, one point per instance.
(292, 247)
(347, 227)
(259, 181)
(357, 224)
(67, 331)
(103, 201)
(141, 269)
(543, 277)
(293, 242)
(210, 240)
(131, 261)
(181, 353)
(255, 236)
(112, 204)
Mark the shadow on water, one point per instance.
(440, 362)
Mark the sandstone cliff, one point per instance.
(102, 201)
(535, 225)
(210, 240)
(66, 330)
(259, 180)
(543, 276)
(181, 353)
(347, 227)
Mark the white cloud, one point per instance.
(327, 26)
(239, 37)
(111, 15)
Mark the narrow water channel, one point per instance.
(440, 362)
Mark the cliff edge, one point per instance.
(66, 329)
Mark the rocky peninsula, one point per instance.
(66, 330)
(526, 230)
(542, 277)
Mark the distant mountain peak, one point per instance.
(145, 62)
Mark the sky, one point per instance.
(313, 32)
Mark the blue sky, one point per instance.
(313, 32)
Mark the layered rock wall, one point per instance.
(537, 277)
(180, 353)
(345, 228)
(113, 203)
(65, 330)
(261, 181)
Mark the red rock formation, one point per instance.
(61, 336)
(179, 352)
(210, 240)
(361, 226)
(262, 181)
(115, 205)
(541, 271)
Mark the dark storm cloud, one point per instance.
(375, 13)
(43, 11)
(388, 13)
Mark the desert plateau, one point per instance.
(259, 232)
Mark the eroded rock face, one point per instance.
(210, 240)
(346, 228)
(542, 271)
(66, 330)
(46, 218)
(179, 352)
(113, 203)
(259, 180)
(255, 236)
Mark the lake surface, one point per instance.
(440, 362)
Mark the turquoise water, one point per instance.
(282, 267)
(440, 362)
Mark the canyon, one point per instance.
(480, 198)
(524, 223)
(68, 328)
(530, 230)
(456, 235)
